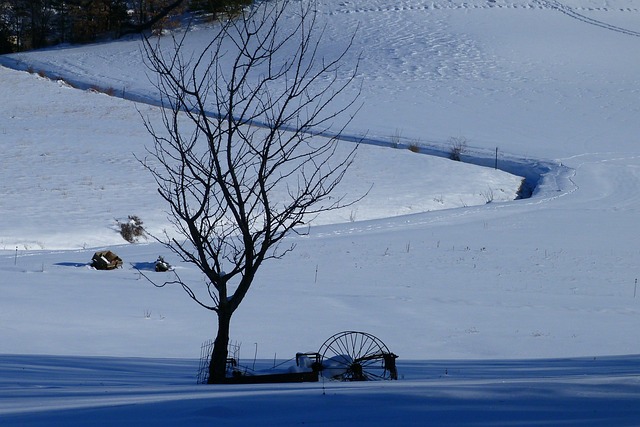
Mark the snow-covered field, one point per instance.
(504, 313)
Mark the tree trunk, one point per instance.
(218, 363)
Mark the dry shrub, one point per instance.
(132, 230)
(458, 145)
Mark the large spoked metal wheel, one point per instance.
(357, 356)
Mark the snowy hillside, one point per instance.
(493, 307)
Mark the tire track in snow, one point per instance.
(351, 7)
(489, 4)
(556, 5)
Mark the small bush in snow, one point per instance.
(458, 146)
(132, 230)
(488, 195)
(396, 139)
(107, 91)
(414, 147)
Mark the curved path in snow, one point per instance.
(456, 57)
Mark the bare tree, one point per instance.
(243, 158)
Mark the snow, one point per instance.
(147, 392)
(510, 312)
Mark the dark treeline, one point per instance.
(32, 24)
